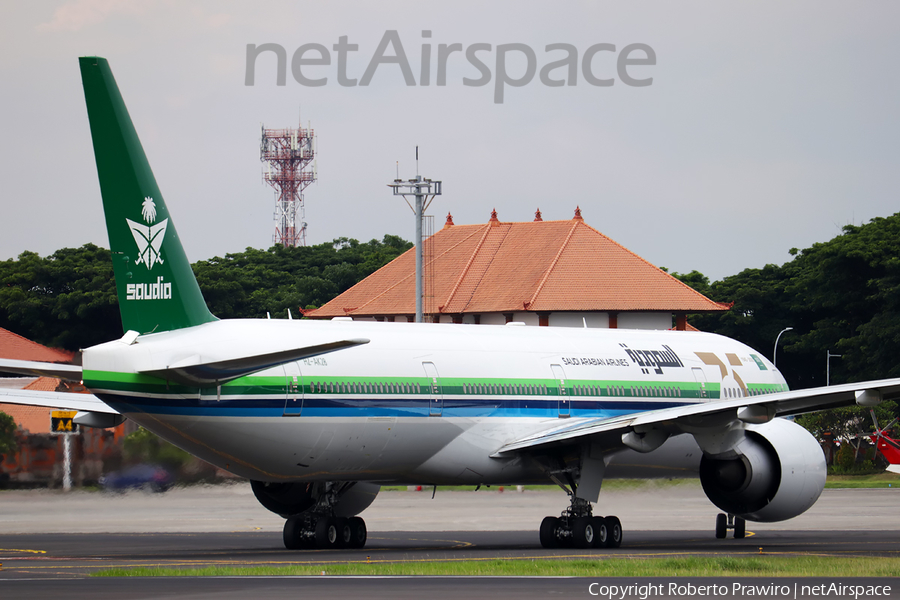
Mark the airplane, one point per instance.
(889, 447)
(319, 414)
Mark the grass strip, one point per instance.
(687, 566)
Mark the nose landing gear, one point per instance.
(725, 522)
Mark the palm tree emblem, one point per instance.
(149, 210)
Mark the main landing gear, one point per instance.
(578, 528)
(725, 522)
(310, 530)
(320, 527)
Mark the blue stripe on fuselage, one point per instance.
(267, 406)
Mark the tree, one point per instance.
(841, 296)
(65, 300)
(68, 299)
(254, 283)
(7, 434)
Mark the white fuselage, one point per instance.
(425, 403)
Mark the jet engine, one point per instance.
(775, 472)
(294, 498)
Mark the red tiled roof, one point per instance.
(16, 347)
(33, 419)
(44, 384)
(533, 266)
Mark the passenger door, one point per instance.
(436, 403)
(564, 401)
(293, 390)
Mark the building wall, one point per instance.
(578, 319)
(493, 319)
(625, 320)
(529, 318)
(645, 320)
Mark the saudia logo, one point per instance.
(149, 239)
(654, 359)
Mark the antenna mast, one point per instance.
(290, 156)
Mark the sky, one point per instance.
(761, 125)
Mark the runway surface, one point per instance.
(50, 542)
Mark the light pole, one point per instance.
(828, 357)
(421, 188)
(775, 351)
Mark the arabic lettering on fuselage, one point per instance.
(654, 359)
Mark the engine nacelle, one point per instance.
(777, 471)
(288, 499)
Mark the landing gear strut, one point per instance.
(577, 527)
(725, 522)
(320, 528)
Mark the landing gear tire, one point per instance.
(343, 532)
(613, 532)
(583, 532)
(548, 532)
(358, 532)
(601, 532)
(327, 533)
(293, 533)
(740, 528)
(721, 526)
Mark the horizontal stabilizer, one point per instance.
(61, 400)
(41, 369)
(195, 372)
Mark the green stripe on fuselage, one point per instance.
(456, 386)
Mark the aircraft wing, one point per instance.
(41, 369)
(61, 400)
(632, 430)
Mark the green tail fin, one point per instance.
(154, 281)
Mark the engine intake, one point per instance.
(777, 471)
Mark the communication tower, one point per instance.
(290, 156)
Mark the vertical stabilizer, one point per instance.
(155, 284)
